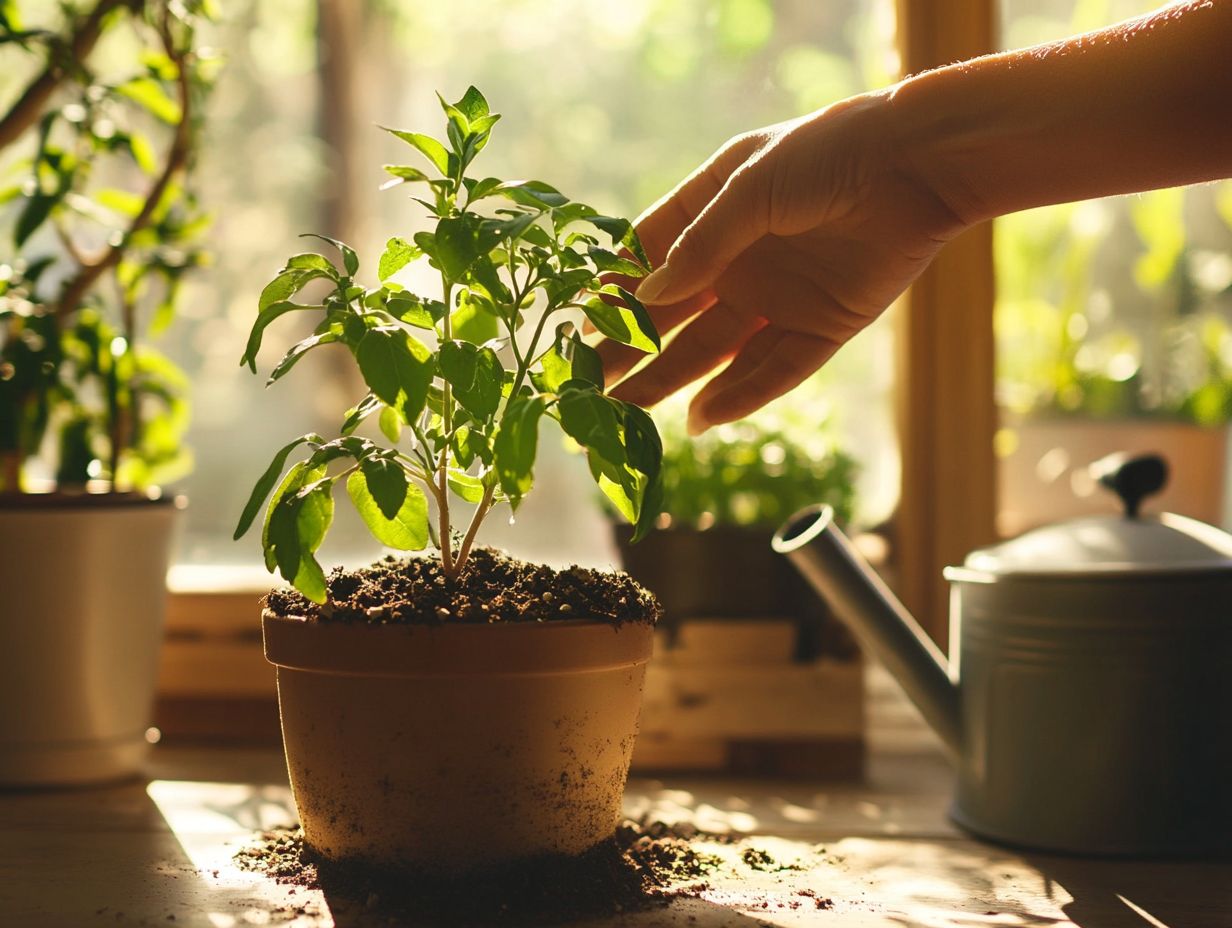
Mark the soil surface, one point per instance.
(640, 867)
(493, 588)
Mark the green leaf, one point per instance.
(407, 530)
(387, 483)
(266, 482)
(316, 514)
(457, 245)
(398, 254)
(34, 214)
(411, 310)
(349, 259)
(516, 444)
(623, 234)
(357, 414)
(298, 350)
(475, 374)
(405, 173)
(469, 444)
(429, 147)
(569, 358)
(312, 262)
(149, 93)
(532, 193)
(643, 446)
(267, 315)
(466, 486)
(474, 322)
(397, 367)
(591, 419)
(472, 105)
(630, 324)
(610, 262)
(391, 424)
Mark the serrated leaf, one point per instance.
(398, 254)
(407, 530)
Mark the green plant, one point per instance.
(457, 420)
(103, 231)
(750, 474)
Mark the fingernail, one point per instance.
(651, 287)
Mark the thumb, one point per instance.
(737, 216)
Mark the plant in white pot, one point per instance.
(101, 228)
(460, 710)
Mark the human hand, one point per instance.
(775, 252)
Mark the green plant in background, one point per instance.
(1112, 309)
(103, 228)
(750, 474)
(457, 420)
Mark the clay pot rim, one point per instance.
(60, 501)
(454, 648)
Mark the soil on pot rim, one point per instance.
(493, 587)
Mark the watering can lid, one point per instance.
(1128, 543)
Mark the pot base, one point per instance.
(72, 763)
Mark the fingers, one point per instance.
(701, 346)
(660, 225)
(771, 363)
(619, 359)
(737, 216)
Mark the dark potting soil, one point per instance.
(492, 588)
(638, 868)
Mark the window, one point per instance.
(612, 104)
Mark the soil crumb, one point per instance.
(640, 867)
(493, 587)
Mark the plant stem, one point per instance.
(80, 283)
(61, 58)
(481, 511)
(442, 499)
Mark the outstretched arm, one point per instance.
(793, 238)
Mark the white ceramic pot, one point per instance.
(82, 600)
(461, 747)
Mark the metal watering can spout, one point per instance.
(840, 576)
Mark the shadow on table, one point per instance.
(1135, 894)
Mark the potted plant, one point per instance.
(743, 638)
(101, 230)
(459, 710)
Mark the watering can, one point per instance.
(1087, 700)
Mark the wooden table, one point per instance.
(160, 853)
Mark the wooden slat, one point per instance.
(947, 413)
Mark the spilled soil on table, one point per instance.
(493, 587)
(643, 866)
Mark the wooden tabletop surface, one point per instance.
(882, 851)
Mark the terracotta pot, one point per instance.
(461, 747)
(83, 595)
(1044, 478)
